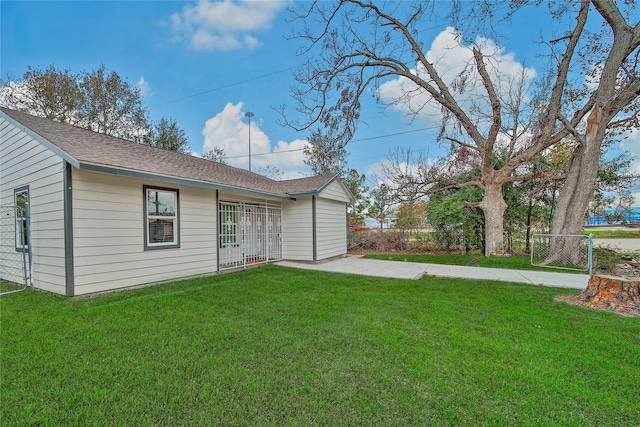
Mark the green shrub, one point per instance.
(606, 258)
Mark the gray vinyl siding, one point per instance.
(26, 162)
(108, 218)
(297, 240)
(331, 228)
(335, 191)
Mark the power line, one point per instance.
(225, 86)
(251, 79)
(354, 140)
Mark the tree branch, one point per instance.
(535, 176)
(487, 152)
(463, 144)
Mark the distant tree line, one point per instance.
(99, 100)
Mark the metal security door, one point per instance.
(250, 233)
(251, 238)
(273, 233)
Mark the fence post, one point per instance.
(531, 243)
(590, 254)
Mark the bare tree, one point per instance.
(485, 113)
(360, 44)
(325, 155)
(609, 102)
(270, 171)
(216, 154)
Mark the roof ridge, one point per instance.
(101, 151)
(125, 140)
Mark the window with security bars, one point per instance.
(228, 224)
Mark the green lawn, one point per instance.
(9, 286)
(514, 262)
(613, 234)
(277, 346)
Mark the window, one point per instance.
(161, 212)
(229, 224)
(21, 196)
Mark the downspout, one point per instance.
(27, 208)
(217, 237)
(346, 228)
(314, 229)
(69, 273)
(266, 230)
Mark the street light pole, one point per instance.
(249, 114)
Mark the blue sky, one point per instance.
(206, 64)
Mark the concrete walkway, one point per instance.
(622, 245)
(414, 270)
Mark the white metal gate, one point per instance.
(576, 252)
(15, 245)
(249, 233)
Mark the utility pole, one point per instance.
(249, 114)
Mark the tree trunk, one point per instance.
(612, 95)
(608, 293)
(576, 193)
(528, 237)
(493, 206)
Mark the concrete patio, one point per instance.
(412, 270)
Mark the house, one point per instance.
(106, 213)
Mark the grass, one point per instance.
(514, 262)
(6, 286)
(613, 234)
(277, 346)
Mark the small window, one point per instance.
(21, 197)
(228, 224)
(161, 212)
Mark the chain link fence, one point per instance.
(15, 248)
(562, 251)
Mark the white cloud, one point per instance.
(389, 172)
(632, 145)
(229, 129)
(376, 173)
(143, 86)
(225, 25)
(450, 59)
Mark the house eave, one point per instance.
(176, 180)
(325, 185)
(42, 140)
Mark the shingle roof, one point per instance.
(90, 149)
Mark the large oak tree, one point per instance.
(608, 102)
(356, 45)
